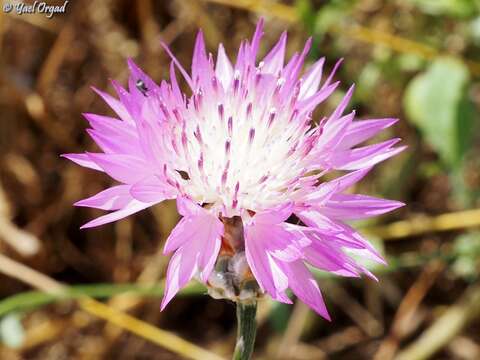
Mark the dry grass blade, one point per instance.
(146, 331)
(281, 11)
(407, 317)
(365, 321)
(294, 330)
(446, 327)
(426, 224)
(160, 337)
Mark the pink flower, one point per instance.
(242, 146)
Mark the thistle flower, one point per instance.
(241, 155)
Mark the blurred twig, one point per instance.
(281, 11)
(30, 276)
(426, 224)
(365, 321)
(146, 331)
(342, 339)
(294, 330)
(23, 242)
(446, 327)
(407, 314)
(160, 337)
(54, 59)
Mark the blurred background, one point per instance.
(418, 60)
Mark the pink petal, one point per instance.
(305, 287)
(331, 75)
(209, 242)
(327, 189)
(187, 207)
(109, 124)
(152, 189)
(356, 206)
(124, 168)
(362, 130)
(256, 40)
(311, 80)
(177, 93)
(273, 62)
(342, 106)
(365, 156)
(278, 240)
(109, 144)
(269, 277)
(192, 227)
(199, 240)
(82, 160)
(179, 66)
(200, 65)
(292, 70)
(352, 240)
(133, 207)
(327, 257)
(138, 74)
(315, 219)
(274, 216)
(333, 133)
(307, 105)
(223, 69)
(114, 198)
(181, 269)
(116, 106)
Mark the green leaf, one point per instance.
(11, 330)
(278, 317)
(306, 13)
(457, 8)
(331, 14)
(32, 299)
(436, 102)
(467, 249)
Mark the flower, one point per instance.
(242, 149)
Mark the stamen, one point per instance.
(220, 111)
(230, 126)
(227, 147)
(249, 110)
(271, 117)
(251, 136)
(198, 135)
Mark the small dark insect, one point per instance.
(141, 87)
(184, 174)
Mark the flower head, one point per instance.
(241, 155)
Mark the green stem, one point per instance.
(32, 299)
(246, 330)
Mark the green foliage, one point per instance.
(436, 102)
(456, 8)
(279, 315)
(331, 14)
(31, 299)
(467, 248)
(319, 22)
(306, 13)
